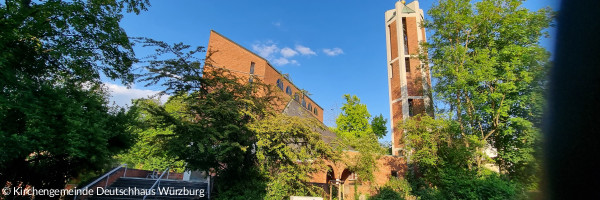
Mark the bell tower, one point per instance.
(409, 80)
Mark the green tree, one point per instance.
(379, 126)
(149, 151)
(289, 150)
(54, 115)
(491, 72)
(218, 135)
(218, 138)
(355, 132)
(53, 134)
(423, 137)
(353, 121)
(229, 128)
(222, 104)
(438, 164)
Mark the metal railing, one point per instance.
(157, 181)
(208, 186)
(107, 175)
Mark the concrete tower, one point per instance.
(408, 77)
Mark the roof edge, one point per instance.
(268, 63)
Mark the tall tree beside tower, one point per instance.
(491, 74)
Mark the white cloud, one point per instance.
(122, 95)
(280, 56)
(305, 50)
(333, 52)
(284, 61)
(266, 49)
(278, 24)
(288, 52)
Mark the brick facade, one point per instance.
(224, 53)
(386, 165)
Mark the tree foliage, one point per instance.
(217, 137)
(353, 121)
(230, 128)
(423, 138)
(364, 164)
(379, 126)
(53, 40)
(439, 164)
(56, 132)
(54, 115)
(395, 188)
(491, 73)
(289, 149)
(148, 152)
(356, 133)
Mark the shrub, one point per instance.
(458, 184)
(386, 193)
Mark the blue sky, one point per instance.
(329, 48)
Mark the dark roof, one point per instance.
(294, 108)
(406, 9)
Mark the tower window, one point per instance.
(393, 52)
(288, 90)
(316, 111)
(251, 79)
(407, 64)
(251, 67)
(280, 84)
(303, 103)
(309, 106)
(411, 108)
(297, 97)
(404, 34)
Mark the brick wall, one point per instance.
(393, 40)
(385, 165)
(414, 78)
(411, 32)
(396, 118)
(224, 53)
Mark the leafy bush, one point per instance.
(386, 193)
(251, 186)
(399, 185)
(395, 188)
(457, 183)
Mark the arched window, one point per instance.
(297, 97)
(309, 106)
(288, 90)
(348, 175)
(280, 84)
(330, 176)
(316, 111)
(303, 103)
